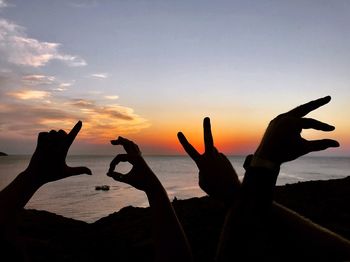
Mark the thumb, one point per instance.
(116, 176)
(74, 171)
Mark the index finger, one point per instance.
(304, 109)
(129, 146)
(208, 137)
(73, 133)
(190, 150)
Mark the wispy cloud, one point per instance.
(112, 97)
(27, 120)
(38, 79)
(29, 94)
(17, 48)
(83, 4)
(62, 87)
(3, 4)
(111, 111)
(81, 103)
(65, 85)
(32, 112)
(51, 82)
(34, 101)
(105, 122)
(99, 75)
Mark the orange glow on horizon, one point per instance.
(166, 141)
(231, 141)
(160, 138)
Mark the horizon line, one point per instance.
(185, 155)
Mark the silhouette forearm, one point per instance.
(245, 231)
(309, 236)
(171, 242)
(16, 195)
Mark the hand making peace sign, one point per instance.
(217, 177)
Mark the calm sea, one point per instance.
(77, 198)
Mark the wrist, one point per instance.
(261, 175)
(32, 178)
(258, 161)
(267, 155)
(153, 184)
(155, 192)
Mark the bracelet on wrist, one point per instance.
(253, 161)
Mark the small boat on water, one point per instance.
(103, 188)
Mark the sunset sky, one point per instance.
(148, 69)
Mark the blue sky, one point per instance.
(146, 69)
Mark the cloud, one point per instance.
(27, 120)
(30, 114)
(80, 103)
(83, 4)
(59, 89)
(71, 60)
(29, 94)
(38, 79)
(3, 4)
(99, 75)
(62, 87)
(33, 101)
(112, 111)
(112, 97)
(45, 80)
(19, 49)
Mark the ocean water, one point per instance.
(76, 197)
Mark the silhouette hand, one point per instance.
(282, 141)
(48, 162)
(217, 177)
(140, 176)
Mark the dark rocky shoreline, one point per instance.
(126, 235)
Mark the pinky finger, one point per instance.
(319, 145)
